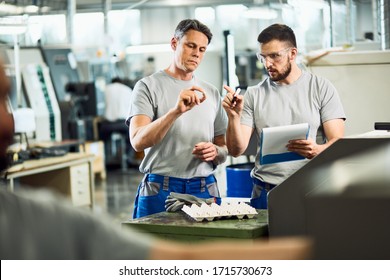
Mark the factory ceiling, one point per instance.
(56, 6)
(61, 6)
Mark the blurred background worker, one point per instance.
(117, 95)
(112, 129)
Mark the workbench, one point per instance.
(178, 226)
(71, 175)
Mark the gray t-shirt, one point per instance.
(37, 224)
(154, 96)
(311, 99)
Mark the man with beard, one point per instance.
(288, 96)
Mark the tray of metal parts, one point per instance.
(211, 212)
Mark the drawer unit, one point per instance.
(73, 181)
(79, 185)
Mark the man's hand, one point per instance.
(233, 103)
(306, 148)
(188, 98)
(205, 151)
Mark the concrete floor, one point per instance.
(115, 194)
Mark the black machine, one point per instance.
(341, 199)
(63, 69)
(87, 102)
(79, 102)
(86, 98)
(382, 126)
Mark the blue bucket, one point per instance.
(239, 181)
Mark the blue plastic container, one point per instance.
(238, 179)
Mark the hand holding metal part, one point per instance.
(191, 96)
(233, 101)
(238, 90)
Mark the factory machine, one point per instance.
(361, 78)
(341, 199)
(42, 100)
(39, 93)
(87, 103)
(64, 107)
(63, 69)
(79, 101)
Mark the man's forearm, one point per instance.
(152, 133)
(234, 139)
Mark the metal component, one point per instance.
(349, 22)
(374, 10)
(71, 11)
(384, 16)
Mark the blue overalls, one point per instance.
(154, 189)
(259, 194)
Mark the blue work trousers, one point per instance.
(154, 190)
(259, 194)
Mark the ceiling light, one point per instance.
(9, 26)
(31, 9)
(318, 4)
(205, 15)
(45, 9)
(10, 9)
(148, 48)
(261, 13)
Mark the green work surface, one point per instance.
(179, 226)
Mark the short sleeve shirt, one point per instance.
(311, 99)
(154, 96)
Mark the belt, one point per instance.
(165, 180)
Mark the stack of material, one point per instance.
(214, 211)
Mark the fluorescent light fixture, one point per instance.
(317, 4)
(45, 9)
(10, 9)
(205, 15)
(148, 48)
(231, 61)
(9, 26)
(31, 9)
(175, 2)
(261, 13)
(237, 8)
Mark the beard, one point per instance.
(283, 74)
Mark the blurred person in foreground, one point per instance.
(37, 224)
(288, 96)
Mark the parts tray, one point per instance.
(214, 211)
